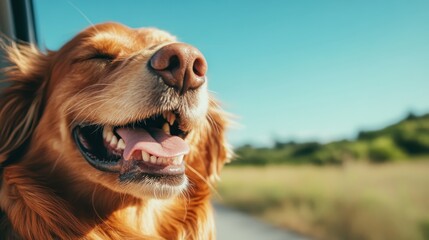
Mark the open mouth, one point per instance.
(150, 148)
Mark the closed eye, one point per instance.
(101, 56)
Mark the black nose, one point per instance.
(180, 65)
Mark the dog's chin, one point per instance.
(154, 189)
(145, 158)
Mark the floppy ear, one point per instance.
(21, 99)
(216, 148)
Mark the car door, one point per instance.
(17, 24)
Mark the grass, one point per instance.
(355, 201)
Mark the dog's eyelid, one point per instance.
(96, 56)
(102, 56)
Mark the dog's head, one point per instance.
(125, 108)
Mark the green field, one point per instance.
(351, 201)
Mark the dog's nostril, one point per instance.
(174, 63)
(181, 66)
(200, 67)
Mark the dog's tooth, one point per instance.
(164, 160)
(153, 159)
(145, 156)
(121, 144)
(171, 118)
(159, 160)
(106, 129)
(177, 160)
(166, 128)
(180, 159)
(109, 136)
(114, 141)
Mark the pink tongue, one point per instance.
(153, 141)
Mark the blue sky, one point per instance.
(302, 70)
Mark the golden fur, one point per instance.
(48, 190)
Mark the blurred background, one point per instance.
(331, 99)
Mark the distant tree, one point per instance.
(403, 140)
(411, 116)
(280, 145)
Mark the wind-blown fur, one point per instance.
(48, 191)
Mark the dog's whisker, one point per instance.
(83, 15)
(209, 184)
(71, 108)
(56, 162)
(103, 221)
(76, 95)
(82, 110)
(213, 123)
(186, 196)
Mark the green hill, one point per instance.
(404, 140)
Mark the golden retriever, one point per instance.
(114, 136)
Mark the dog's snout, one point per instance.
(180, 65)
